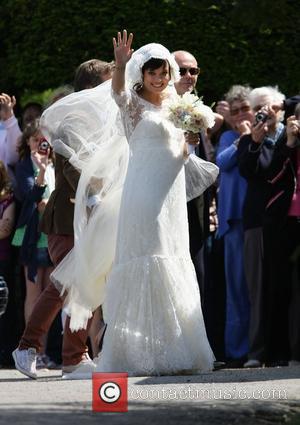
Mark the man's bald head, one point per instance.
(184, 55)
(187, 81)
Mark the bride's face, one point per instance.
(156, 80)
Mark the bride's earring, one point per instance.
(138, 86)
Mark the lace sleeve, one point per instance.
(131, 109)
(122, 99)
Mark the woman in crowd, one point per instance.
(281, 229)
(35, 182)
(231, 198)
(7, 220)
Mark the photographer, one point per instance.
(232, 190)
(255, 153)
(35, 182)
(282, 245)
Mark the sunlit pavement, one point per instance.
(232, 396)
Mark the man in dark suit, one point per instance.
(57, 223)
(198, 207)
(210, 281)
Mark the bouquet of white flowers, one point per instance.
(189, 113)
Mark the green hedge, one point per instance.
(241, 41)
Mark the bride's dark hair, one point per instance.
(151, 65)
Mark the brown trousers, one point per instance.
(48, 305)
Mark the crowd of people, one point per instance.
(242, 229)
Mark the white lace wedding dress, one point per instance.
(152, 302)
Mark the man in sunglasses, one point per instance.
(189, 71)
(199, 208)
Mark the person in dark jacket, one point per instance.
(35, 181)
(209, 267)
(254, 156)
(281, 229)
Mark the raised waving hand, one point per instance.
(7, 106)
(123, 52)
(122, 48)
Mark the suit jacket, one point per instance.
(59, 212)
(198, 210)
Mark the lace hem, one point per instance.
(154, 319)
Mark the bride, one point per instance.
(151, 297)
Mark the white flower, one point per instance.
(190, 114)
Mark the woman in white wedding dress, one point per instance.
(131, 250)
(152, 301)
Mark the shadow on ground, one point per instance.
(225, 413)
(229, 375)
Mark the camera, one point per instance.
(261, 117)
(43, 147)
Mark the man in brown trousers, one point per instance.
(57, 223)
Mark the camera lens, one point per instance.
(261, 117)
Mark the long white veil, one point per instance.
(85, 128)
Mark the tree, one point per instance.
(235, 41)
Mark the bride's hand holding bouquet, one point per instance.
(189, 113)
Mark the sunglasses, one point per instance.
(235, 111)
(192, 71)
(257, 108)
